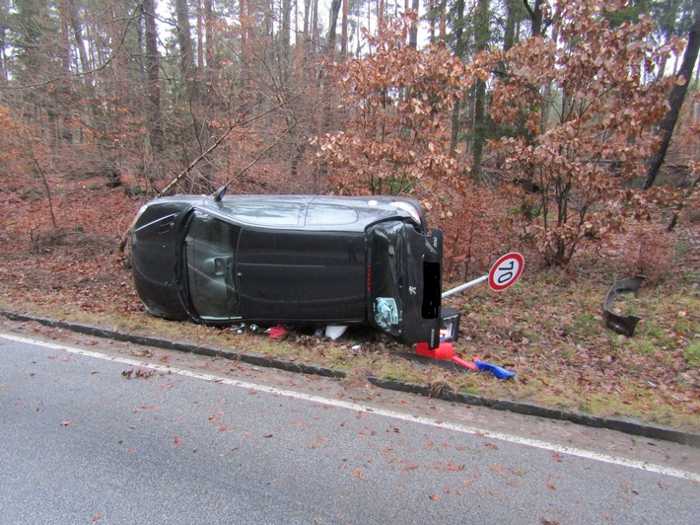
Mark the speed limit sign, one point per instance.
(506, 271)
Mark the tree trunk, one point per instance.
(443, 20)
(459, 51)
(380, 16)
(675, 99)
(78, 35)
(344, 29)
(332, 29)
(535, 16)
(140, 43)
(481, 37)
(184, 39)
(155, 129)
(200, 36)
(314, 27)
(509, 35)
(4, 14)
(327, 93)
(413, 35)
(209, 36)
(286, 12)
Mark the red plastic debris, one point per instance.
(444, 352)
(277, 332)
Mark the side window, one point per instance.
(210, 254)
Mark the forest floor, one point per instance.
(548, 328)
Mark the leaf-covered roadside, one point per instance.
(548, 328)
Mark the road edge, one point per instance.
(626, 426)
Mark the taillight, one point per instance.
(369, 280)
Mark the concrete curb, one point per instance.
(622, 425)
(253, 359)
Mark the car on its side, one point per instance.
(291, 259)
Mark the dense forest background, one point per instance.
(543, 120)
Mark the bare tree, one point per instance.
(413, 34)
(155, 130)
(675, 99)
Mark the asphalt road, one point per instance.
(81, 443)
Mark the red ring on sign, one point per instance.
(492, 272)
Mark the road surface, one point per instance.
(84, 440)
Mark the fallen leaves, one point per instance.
(141, 353)
(138, 373)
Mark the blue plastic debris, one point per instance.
(499, 372)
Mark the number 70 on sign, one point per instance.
(504, 273)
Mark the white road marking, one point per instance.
(357, 407)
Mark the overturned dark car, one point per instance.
(298, 260)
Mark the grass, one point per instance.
(692, 354)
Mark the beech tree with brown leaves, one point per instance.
(604, 131)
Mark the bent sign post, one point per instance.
(504, 273)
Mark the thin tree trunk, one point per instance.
(459, 51)
(546, 102)
(47, 189)
(155, 130)
(676, 98)
(209, 36)
(344, 30)
(431, 21)
(479, 133)
(327, 94)
(380, 16)
(509, 35)
(413, 34)
(121, 56)
(140, 42)
(315, 37)
(184, 38)
(78, 35)
(286, 12)
(65, 91)
(4, 15)
(200, 36)
(443, 20)
(535, 16)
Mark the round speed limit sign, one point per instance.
(506, 271)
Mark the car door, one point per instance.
(210, 254)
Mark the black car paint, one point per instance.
(298, 260)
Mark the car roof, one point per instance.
(306, 212)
